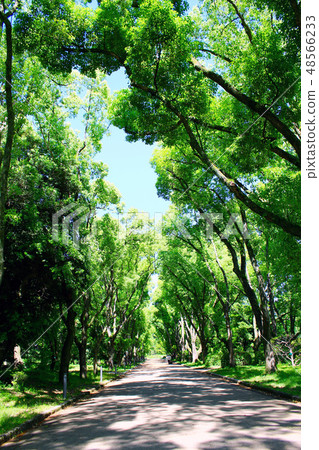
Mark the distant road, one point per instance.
(161, 406)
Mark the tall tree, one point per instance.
(7, 10)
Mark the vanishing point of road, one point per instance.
(161, 406)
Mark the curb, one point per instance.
(40, 417)
(266, 390)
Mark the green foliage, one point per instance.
(218, 91)
(213, 358)
(19, 380)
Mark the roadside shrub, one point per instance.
(19, 380)
(244, 358)
(213, 358)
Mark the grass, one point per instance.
(198, 364)
(287, 378)
(36, 390)
(17, 407)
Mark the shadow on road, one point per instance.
(166, 407)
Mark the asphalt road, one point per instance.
(161, 406)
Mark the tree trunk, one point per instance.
(5, 157)
(230, 345)
(82, 345)
(193, 344)
(67, 346)
(270, 359)
(265, 298)
(111, 355)
(271, 307)
(182, 342)
(271, 365)
(82, 359)
(260, 109)
(95, 358)
(192, 336)
(203, 344)
(17, 360)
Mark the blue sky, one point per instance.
(129, 167)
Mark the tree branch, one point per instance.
(225, 58)
(285, 155)
(262, 110)
(243, 22)
(274, 218)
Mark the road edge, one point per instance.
(266, 390)
(247, 384)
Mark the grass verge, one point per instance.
(36, 390)
(287, 378)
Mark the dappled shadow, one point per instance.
(169, 406)
(31, 400)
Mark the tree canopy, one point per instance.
(217, 90)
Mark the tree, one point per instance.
(228, 144)
(162, 64)
(6, 12)
(51, 168)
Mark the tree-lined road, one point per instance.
(170, 407)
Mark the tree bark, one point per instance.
(69, 322)
(270, 358)
(182, 342)
(17, 360)
(192, 335)
(203, 343)
(82, 358)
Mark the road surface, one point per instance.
(161, 406)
